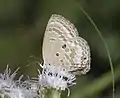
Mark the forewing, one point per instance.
(58, 31)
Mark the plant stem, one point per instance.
(52, 93)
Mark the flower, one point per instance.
(17, 88)
(56, 77)
(7, 79)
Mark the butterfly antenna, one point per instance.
(36, 61)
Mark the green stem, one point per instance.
(52, 93)
(106, 47)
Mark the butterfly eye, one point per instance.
(64, 46)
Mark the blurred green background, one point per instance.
(22, 26)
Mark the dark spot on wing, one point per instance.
(52, 39)
(61, 60)
(57, 54)
(63, 69)
(64, 46)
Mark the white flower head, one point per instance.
(56, 77)
(7, 79)
(16, 88)
(24, 89)
(30, 89)
(21, 92)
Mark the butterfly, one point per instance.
(63, 47)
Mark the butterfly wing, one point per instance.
(78, 55)
(63, 47)
(58, 31)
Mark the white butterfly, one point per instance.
(63, 47)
